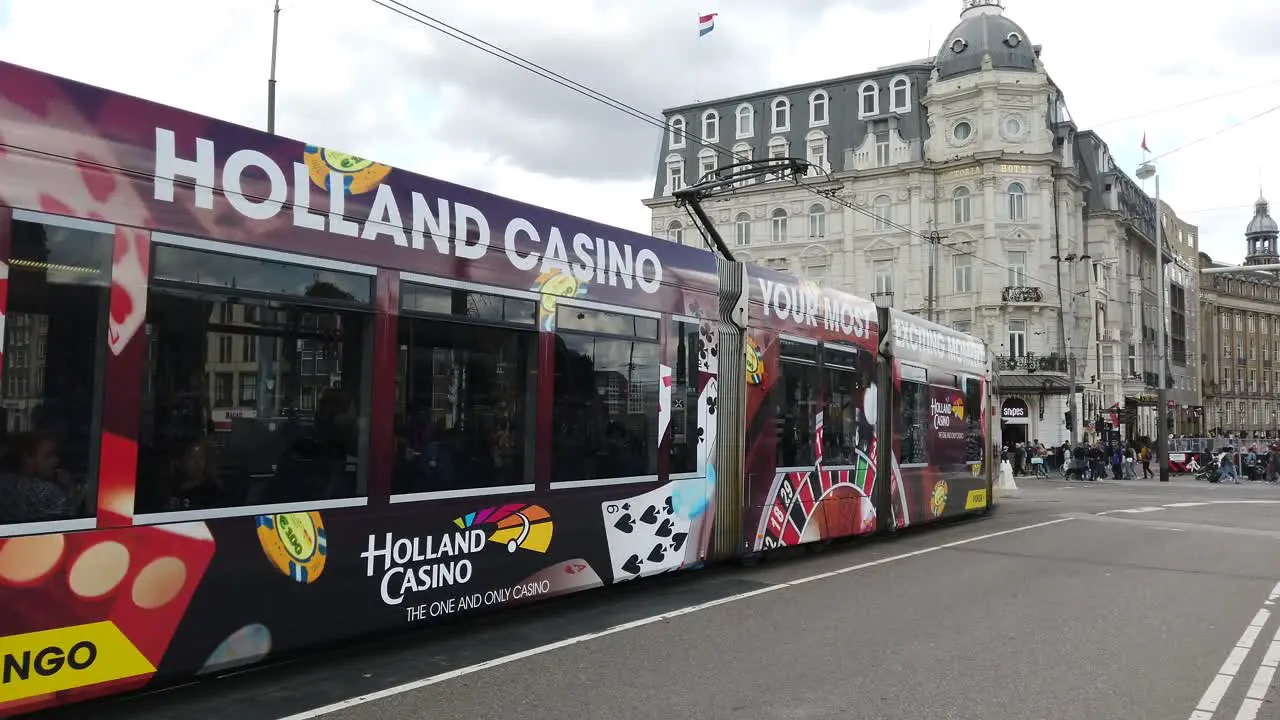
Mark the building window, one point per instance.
(742, 152)
(817, 153)
(778, 225)
(883, 274)
(468, 396)
(777, 150)
(675, 133)
(964, 326)
(795, 401)
(742, 229)
(963, 273)
(900, 95)
(818, 109)
(882, 209)
(1108, 359)
(711, 126)
(299, 312)
(59, 291)
(1017, 202)
(706, 164)
(961, 206)
(868, 99)
(248, 389)
(606, 396)
(746, 121)
(1017, 338)
(781, 115)
(1017, 268)
(817, 221)
(675, 174)
(883, 156)
(675, 232)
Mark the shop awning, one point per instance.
(1032, 384)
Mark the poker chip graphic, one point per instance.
(358, 174)
(755, 361)
(938, 501)
(295, 543)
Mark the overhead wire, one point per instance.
(431, 22)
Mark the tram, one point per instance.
(260, 395)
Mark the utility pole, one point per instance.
(271, 80)
(931, 300)
(1147, 170)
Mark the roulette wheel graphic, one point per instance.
(811, 505)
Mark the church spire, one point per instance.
(1261, 235)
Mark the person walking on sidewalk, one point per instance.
(1227, 466)
(1130, 471)
(1145, 455)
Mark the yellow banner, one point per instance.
(65, 658)
(976, 500)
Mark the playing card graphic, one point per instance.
(646, 533)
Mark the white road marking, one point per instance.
(1226, 674)
(1132, 510)
(542, 649)
(1261, 684)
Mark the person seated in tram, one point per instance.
(35, 489)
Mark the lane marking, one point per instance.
(1131, 511)
(568, 642)
(1226, 674)
(1261, 685)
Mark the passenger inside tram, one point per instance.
(33, 488)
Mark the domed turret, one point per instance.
(1261, 236)
(984, 31)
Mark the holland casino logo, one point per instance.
(755, 361)
(416, 564)
(358, 175)
(943, 412)
(938, 500)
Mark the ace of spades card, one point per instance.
(646, 535)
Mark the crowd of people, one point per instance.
(1124, 461)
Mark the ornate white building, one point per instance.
(976, 145)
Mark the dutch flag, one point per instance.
(706, 23)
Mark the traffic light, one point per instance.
(1070, 418)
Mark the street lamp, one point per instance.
(1145, 172)
(883, 492)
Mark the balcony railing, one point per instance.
(1021, 294)
(1032, 363)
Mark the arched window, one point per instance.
(868, 99)
(706, 163)
(961, 209)
(781, 115)
(1017, 202)
(741, 153)
(746, 121)
(818, 108)
(883, 209)
(778, 225)
(778, 149)
(675, 232)
(675, 173)
(711, 126)
(816, 152)
(900, 94)
(742, 229)
(817, 221)
(675, 134)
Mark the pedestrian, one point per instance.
(1146, 462)
(1129, 469)
(1226, 465)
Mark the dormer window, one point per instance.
(711, 126)
(675, 132)
(818, 108)
(781, 115)
(746, 121)
(868, 99)
(900, 95)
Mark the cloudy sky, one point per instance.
(359, 77)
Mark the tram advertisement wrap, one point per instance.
(95, 610)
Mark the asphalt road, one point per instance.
(1074, 601)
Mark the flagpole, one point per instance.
(697, 64)
(271, 80)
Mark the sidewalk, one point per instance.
(1187, 480)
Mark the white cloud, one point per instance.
(357, 76)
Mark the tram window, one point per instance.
(467, 304)
(467, 400)
(917, 420)
(795, 401)
(973, 420)
(682, 357)
(845, 430)
(52, 382)
(606, 397)
(253, 398)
